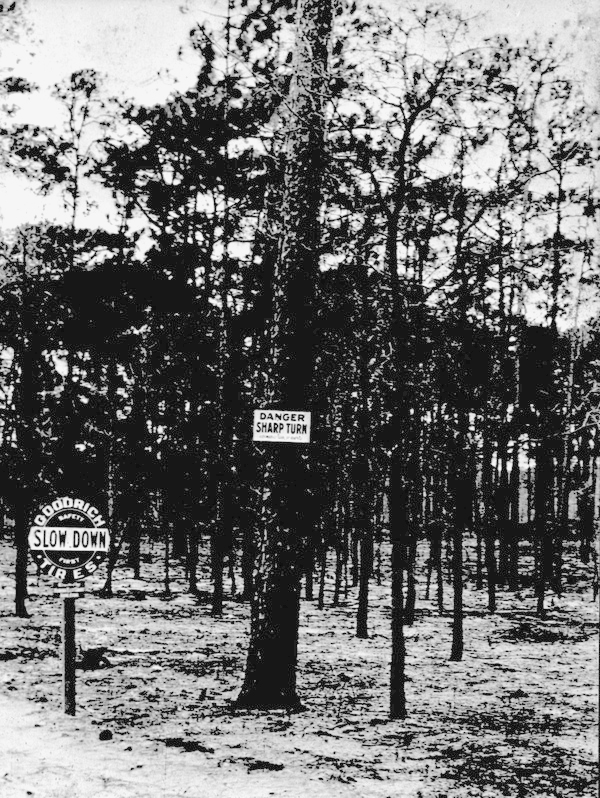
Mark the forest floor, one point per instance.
(517, 717)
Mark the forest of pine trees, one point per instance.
(350, 212)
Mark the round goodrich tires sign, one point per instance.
(68, 539)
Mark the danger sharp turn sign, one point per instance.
(281, 426)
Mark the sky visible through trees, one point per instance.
(135, 45)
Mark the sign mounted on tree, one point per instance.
(68, 539)
(281, 426)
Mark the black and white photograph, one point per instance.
(299, 398)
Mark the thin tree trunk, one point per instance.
(529, 485)
(514, 502)
(309, 575)
(222, 534)
(585, 503)
(192, 561)
(478, 548)
(543, 520)
(364, 473)
(488, 518)
(461, 491)
(355, 559)
(366, 569)
(247, 562)
(338, 545)
(322, 575)
(231, 571)
(22, 554)
(115, 544)
(134, 554)
(217, 559)
(167, 561)
(502, 509)
(26, 440)
(339, 569)
(398, 507)
(415, 511)
(439, 570)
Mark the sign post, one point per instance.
(68, 541)
(68, 630)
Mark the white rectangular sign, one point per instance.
(68, 538)
(281, 426)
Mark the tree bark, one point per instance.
(461, 490)
(398, 507)
(270, 677)
(543, 497)
(26, 439)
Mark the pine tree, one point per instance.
(270, 678)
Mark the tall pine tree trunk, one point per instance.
(398, 508)
(488, 514)
(543, 497)
(364, 504)
(461, 491)
(270, 677)
(514, 491)
(222, 534)
(26, 440)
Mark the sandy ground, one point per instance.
(516, 718)
(48, 755)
